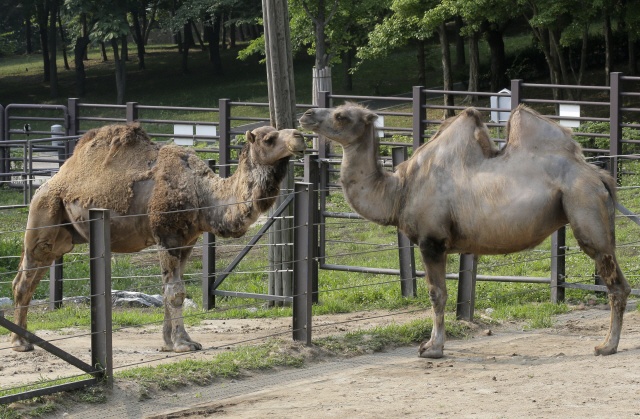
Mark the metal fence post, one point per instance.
(324, 101)
(55, 284)
(208, 264)
(615, 142)
(311, 176)
(303, 262)
(419, 116)
(73, 124)
(558, 250)
(224, 139)
(467, 286)
(516, 93)
(100, 273)
(408, 284)
(132, 112)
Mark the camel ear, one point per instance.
(371, 117)
(250, 137)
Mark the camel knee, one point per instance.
(612, 276)
(175, 294)
(438, 298)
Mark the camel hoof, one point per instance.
(22, 346)
(605, 350)
(190, 347)
(428, 351)
(187, 346)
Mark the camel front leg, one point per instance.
(175, 336)
(434, 259)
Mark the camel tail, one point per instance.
(609, 183)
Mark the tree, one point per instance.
(282, 110)
(404, 25)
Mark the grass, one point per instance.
(340, 291)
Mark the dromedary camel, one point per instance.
(158, 195)
(457, 194)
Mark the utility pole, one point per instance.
(282, 110)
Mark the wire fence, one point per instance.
(344, 237)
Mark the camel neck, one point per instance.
(236, 202)
(370, 190)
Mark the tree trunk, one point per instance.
(321, 82)
(198, 37)
(474, 67)
(42, 12)
(138, 37)
(53, 67)
(214, 46)
(63, 42)
(606, 30)
(348, 63)
(232, 35)
(447, 79)
(633, 59)
(124, 55)
(149, 23)
(212, 35)
(460, 53)
(498, 61)
(27, 31)
(223, 38)
(321, 45)
(542, 34)
(560, 63)
(103, 49)
(187, 41)
(422, 67)
(282, 109)
(121, 74)
(79, 53)
(85, 33)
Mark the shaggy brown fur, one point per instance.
(456, 195)
(104, 167)
(165, 196)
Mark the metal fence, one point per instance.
(30, 151)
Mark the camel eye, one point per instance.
(269, 140)
(340, 117)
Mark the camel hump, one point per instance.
(529, 129)
(468, 132)
(115, 136)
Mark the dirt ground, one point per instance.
(507, 372)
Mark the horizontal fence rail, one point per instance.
(32, 150)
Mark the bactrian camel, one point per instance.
(458, 194)
(158, 195)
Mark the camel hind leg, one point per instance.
(593, 225)
(434, 258)
(44, 241)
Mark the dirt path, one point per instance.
(510, 373)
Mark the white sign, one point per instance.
(186, 131)
(501, 102)
(569, 110)
(379, 124)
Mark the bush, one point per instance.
(602, 143)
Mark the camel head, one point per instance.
(269, 146)
(345, 124)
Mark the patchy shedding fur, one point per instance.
(104, 166)
(170, 197)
